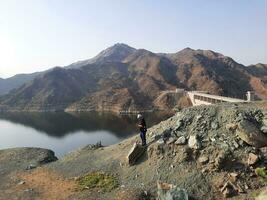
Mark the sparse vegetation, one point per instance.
(262, 172)
(98, 180)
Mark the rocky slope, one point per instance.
(211, 152)
(122, 78)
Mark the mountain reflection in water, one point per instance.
(63, 132)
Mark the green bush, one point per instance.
(262, 172)
(98, 180)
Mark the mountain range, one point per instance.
(122, 78)
(6, 85)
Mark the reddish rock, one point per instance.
(252, 159)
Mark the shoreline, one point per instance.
(178, 153)
(121, 112)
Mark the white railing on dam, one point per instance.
(202, 98)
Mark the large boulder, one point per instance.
(171, 192)
(135, 153)
(16, 159)
(250, 133)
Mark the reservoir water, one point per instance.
(64, 132)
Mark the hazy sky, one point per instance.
(39, 34)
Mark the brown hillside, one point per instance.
(122, 78)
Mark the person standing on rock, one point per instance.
(142, 127)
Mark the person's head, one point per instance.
(139, 116)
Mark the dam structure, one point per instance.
(203, 98)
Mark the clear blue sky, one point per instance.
(39, 34)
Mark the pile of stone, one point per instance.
(218, 137)
(219, 126)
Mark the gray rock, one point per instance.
(194, 142)
(264, 129)
(31, 166)
(167, 133)
(187, 120)
(179, 123)
(257, 114)
(202, 126)
(241, 142)
(160, 141)
(239, 117)
(264, 121)
(212, 139)
(28, 190)
(173, 134)
(21, 183)
(179, 133)
(203, 159)
(214, 125)
(235, 144)
(171, 192)
(161, 148)
(198, 117)
(248, 132)
(181, 140)
(156, 137)
(93, 146)
(171, 140)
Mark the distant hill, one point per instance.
(16, 81)
(124, 78)
(258, 79)
(115, 53)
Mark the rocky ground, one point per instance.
(204, 152)
(16, 161)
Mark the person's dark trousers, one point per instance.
(143, 137)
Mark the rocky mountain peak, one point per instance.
(122, 45)
(115, 53)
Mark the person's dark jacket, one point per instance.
(142, 124)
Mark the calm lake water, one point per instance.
(64, 132)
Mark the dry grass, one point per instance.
(48, 184)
